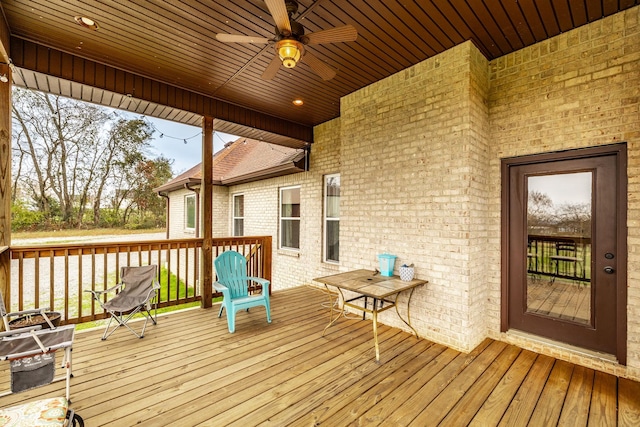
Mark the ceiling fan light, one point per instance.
(289, 52)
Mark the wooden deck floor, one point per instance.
(561, 299)
(188, 370)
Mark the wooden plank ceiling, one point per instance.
(173, 42)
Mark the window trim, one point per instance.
(282, 218)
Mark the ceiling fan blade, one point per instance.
(272, 69)
(323, 70)
(348, 33)
(278, 10)
(234, 38)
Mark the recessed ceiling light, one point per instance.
(86, 22)
(298, 102)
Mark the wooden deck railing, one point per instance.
(55, 276)
(544, 259)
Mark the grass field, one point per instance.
(80, 233)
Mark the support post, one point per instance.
(206, 192)
(5, 185)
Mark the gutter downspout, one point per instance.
(166, 197)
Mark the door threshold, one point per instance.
(592, 354)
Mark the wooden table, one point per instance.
(384, 292)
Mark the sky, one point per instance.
(169, 141)
(179, 142)
(563, 188)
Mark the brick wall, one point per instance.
(177, 213)
(477, 153)
(414, 161)
(580, 89)
(295, 268)
(221, 214)
(419, 155)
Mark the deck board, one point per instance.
(439, 407)
(496, 404)
(629, 402)
(576, 405)
(602, 411)
(468, 405)
(549, 405)
(188, 370)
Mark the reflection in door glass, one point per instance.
(559, 246)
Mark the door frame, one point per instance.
(620, 152)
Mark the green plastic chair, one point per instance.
(233, 282)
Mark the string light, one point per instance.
(152, 125)
(215, 134)
(116, 110)
(164, 135)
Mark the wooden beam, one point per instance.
(4, 42)
(5, 184)
(45, 60)
(206, 193)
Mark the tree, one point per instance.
(136, 195)
(574, 218)
(121, 153)
(539, 210)
(70, 156)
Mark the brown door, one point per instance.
(564, 251)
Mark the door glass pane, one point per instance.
(558, 253)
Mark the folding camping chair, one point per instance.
(44, 319)
(31, 355)
(6, 317)
(137, 292)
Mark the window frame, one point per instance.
(326, 219)
(282, 218)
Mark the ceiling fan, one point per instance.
(290, 40)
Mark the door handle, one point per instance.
(609, 270)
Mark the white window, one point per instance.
(190, 212)
(332, 218)
(238, 215)
(290, 218)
